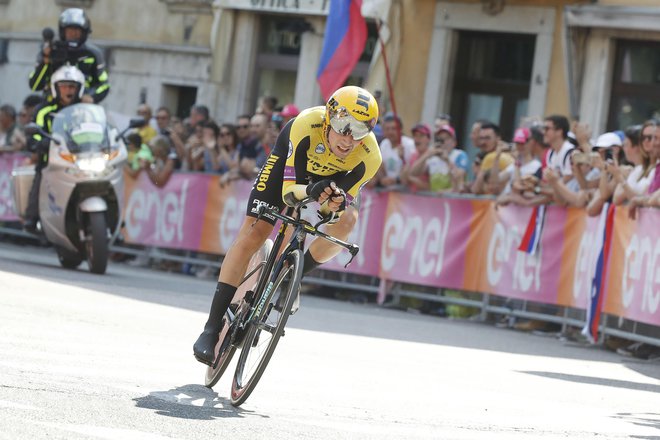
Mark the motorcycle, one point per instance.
(82, 186)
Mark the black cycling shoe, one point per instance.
(204, 348)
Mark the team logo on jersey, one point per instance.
(264, 174)
(288, 155)
(320, 149)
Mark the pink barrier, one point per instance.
(8, 161)
(443, 242)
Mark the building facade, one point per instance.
(495, 59)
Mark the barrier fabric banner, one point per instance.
(368, 234)
(634, 267)
(224, 214)
(505, 270)
(466, 244)
(169, 217)
(417, 246)
(8, 161)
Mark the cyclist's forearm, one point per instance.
(293, 193)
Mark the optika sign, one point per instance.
(642, 269)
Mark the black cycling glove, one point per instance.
(317, 188)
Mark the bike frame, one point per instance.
(297, 241)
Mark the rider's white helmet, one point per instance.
(67, 74)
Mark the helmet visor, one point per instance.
(345, 124)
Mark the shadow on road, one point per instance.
(191, 402)
(637, 386)
(651, 420)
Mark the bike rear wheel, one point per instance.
(266, 328)
(225, 349)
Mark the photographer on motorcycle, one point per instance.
(71, 48)
(67, 87)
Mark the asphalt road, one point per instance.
(84, 356)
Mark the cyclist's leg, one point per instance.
(250, 238)
(266, 191)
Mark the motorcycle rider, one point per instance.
(67, 86)
(72, 48)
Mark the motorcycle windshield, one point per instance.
(84, 127)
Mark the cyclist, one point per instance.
(328, 153)
(72, 48)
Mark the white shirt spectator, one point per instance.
(638, 183)
(528, 169)
(560, 162)
(391, 159)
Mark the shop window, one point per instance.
(280, 42)
(492, 74)
(635, 84)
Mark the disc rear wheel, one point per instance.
(225, 348)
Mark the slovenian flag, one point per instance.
(597, 292)
(532, 238)
(345, 38)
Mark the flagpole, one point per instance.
(387, 74)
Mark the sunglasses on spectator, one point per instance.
(647, 137)
(161, 117)
(243, 126)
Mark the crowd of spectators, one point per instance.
(546, 161)
(199, 143)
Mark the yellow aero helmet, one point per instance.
(351, 111)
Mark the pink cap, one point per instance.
(448, 128)
(521, 135)
(290, 111)
(422, 128)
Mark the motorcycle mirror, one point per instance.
(133, 123)
(136, 123)
(32, 129)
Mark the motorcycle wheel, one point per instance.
(68, 259)
(97, 243)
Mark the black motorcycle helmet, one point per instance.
(75, 17)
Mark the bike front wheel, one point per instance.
(267, 327)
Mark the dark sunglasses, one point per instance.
(243, 126)
(647, 137)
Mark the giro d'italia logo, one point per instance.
(320, 149)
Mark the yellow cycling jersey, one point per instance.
(309, 158)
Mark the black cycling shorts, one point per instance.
(267, 187)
